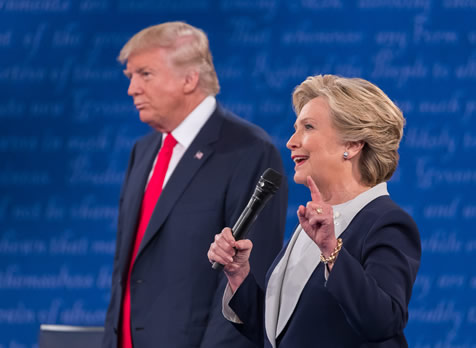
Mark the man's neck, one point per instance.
(189, 104)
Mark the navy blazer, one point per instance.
(175, 294)
(364, 302)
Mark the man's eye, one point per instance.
(145, 74)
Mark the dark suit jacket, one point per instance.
(364, 302)
(175, 294)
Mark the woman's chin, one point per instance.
(299, 179)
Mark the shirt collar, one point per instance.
(345, 212)
(187, 130)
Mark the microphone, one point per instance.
(267, 185)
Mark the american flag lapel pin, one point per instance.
(198, 155)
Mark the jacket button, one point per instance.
(139, 281)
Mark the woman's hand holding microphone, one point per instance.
(233, 255)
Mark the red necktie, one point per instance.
(151, 195)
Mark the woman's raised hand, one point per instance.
(317, 219)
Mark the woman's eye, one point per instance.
(308, 126)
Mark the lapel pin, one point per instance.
(198, 155)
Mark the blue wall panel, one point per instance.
(67, 125)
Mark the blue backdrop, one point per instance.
(67, 126)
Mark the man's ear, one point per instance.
(191, 81)
(353, 148)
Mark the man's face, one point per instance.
(157, 88)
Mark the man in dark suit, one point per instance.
(164, 291)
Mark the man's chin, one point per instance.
(145, 117)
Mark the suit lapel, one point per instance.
(277, 313)
(137, 182)
(298, 274)
(193, 159)
(273, 291)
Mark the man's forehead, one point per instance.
(149, 57)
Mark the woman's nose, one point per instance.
(293, 142)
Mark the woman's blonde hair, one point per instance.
(188, 47)
(360, 111)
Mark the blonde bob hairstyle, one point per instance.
(360, 112)
(188, 47)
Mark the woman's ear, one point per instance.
(353, 149)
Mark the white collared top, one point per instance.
(299, 261)
(294, 279)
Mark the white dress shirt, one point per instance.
(185, 133)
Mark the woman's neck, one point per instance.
(343, 192)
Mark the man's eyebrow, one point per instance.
(137, 70)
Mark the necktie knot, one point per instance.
(169, 142)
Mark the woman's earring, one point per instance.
(346, 154)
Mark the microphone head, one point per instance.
(272, 176)
(269, 182)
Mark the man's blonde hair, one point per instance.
(188, 47)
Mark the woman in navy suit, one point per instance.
(345, 277)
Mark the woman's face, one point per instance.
(316, 148)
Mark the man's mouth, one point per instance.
(140, 106)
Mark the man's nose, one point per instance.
(134, 87)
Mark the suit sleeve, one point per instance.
(110, 336)
(248, 304)
(267, 235)
(267, 232)
(374, 292)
